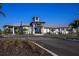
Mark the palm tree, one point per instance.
(2, 13)
(77, 23)
(74, 25)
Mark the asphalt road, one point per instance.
(60, 47)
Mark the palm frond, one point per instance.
(0, 7)
(2, 13)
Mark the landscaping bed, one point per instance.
(20, 48)
(15, 47)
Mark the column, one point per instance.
(13, 31)
(33, 29)
(42, 30)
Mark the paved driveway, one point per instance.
(58, 46)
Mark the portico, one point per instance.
(37, 26)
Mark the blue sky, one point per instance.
(52, 13)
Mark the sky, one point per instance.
(54, 14)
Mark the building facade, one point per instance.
(36, 27)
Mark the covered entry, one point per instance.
(38, 30)
(37, 26)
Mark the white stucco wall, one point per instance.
(74, 30)
(29, 30)
(46, 30)
(56, 31)
(65, 32)
(62, 31)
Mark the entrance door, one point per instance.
(38, 30)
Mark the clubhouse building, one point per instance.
(36, 27)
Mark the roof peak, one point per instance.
(36, 19)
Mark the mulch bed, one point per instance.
(16, 48)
